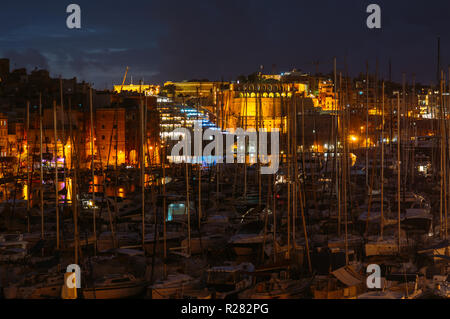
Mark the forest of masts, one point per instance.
(293, 164)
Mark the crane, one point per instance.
(124, 78)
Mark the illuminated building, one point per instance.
(79, 125)
(3, 135)
(110, 135)
(326, 98)
(147, 89)
(269, 101)
(16, 136)
(196, 89)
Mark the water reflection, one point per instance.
(99, 187)
(22, 191)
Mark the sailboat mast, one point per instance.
(93, 170)
(289, 111)
(336, 139)
(187, 207)
(305, 232)
(143, 178)
(382, 161)
(294, 192)
(28, 167)
(345, 164)
(41, 188)
(56, 174)
(163, 163)
(63, 140)
(367, 124)
(443, 157)
(199, 213)
(441, 181)
(398, 167)
(448, 176)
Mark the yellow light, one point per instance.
(353, 138)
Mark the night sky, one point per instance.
(183, 40)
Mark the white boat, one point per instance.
(12, 248)
(375, 214)
(115, 287)
(246, 244)
(396, 286)
(230, 279)
(339, 242)
(105, 240)
(343, 283)
(249, 238)
(204, 243)
(172, 287)
(418, 218)
(276, 288)
(41, 286)
(381, 295)
(386, 246)
(437, 250)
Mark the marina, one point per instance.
(213, 176)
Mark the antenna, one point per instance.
(390, 70)
(438, 77)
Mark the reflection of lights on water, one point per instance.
(25, 192)
(121, 192)
(353, 158)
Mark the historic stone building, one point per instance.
(264, 105)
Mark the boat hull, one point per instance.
(113, 292)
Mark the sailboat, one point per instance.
(115, 286)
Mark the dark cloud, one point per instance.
(29, 58)
(176, 40)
